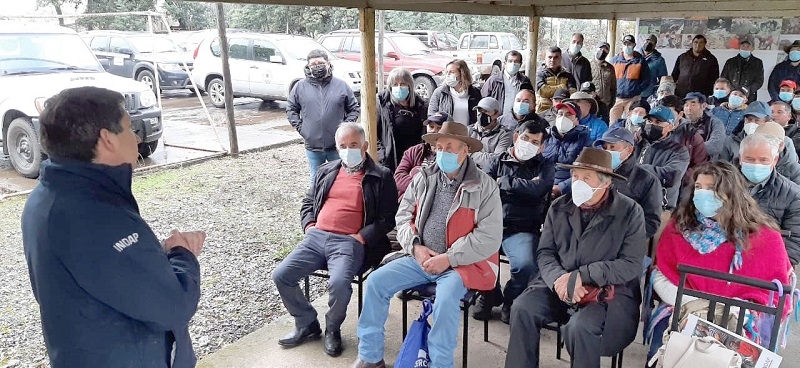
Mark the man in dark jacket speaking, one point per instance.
(109, 293)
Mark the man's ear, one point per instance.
(107, 141)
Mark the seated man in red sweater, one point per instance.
(346, 215)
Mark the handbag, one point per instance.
(414, 352)
(681, 351)
(595, 294)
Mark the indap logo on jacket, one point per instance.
(126, 242)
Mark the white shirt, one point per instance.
(460, 107)
(511, 93)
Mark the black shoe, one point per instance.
(333, 343)
(505, 313)
(483, 308)
(362, 364)
(301, 335)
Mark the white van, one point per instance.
(264, 66)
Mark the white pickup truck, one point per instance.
(484, 50)
(39, 61)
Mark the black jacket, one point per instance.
(524, 189)
(388, 154)
(779, 197)
(695, 74)
(745, 73)
(380, 205)
(579, 66)
(668, 160)
(645, 189)
(441, 100)
(495, 87)
(793, 132)
(511, 123)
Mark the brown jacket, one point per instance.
(605, 80)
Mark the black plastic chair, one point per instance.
(776, 311)
(359, 280)
(428, 291)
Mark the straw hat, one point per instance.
(596, 160)
(451, 129)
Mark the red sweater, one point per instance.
(766, 260)
(343, 209)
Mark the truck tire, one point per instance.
(24, 148)
(216, 92)
(146, 149)
(424, 86)
(145, 76)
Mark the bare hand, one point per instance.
(579, 293)
(360, 238)
(436, 265)
(192, 240)
(423, 253)
(556, 191)
(560, 287)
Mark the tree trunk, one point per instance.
(57, 5)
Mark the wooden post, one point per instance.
(381, 28)
(612, 37)
(369, 101)
(533, 46)
(226, 78)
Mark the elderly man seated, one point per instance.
(346, 215)
(450, 224)
(592, 238)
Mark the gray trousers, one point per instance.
(342, 255)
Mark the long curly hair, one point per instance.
(740, 215)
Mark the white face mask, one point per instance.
(524, 150)
(582, 192)
(451, 80)
(750, 128)
(351, 157)
(563, 124)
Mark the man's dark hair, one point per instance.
(673, 102)
(724, 80)
(534, 127)
(514, 53)
(554, 50)
(696, 37)
(579, 35)
(72, 120)
(745, 42)
(317, 54)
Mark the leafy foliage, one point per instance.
(191, 15)
(122, 23)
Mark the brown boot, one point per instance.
(362, 364)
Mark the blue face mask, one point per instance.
(706, 202)
(796, 104)
(447, 161)
(744, 54)
(400, 92)
(351, 157)
(786, 96)
(522, 108)
(637, 119)
(735, 101)
(616, 159)
(756, 173)
(720, 93)
(628, 50)
(794, 56)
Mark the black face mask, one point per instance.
(649, 47)
(318, 71)
(601, 54)
(653, 132)
(484, 119)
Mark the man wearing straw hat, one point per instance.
(450, 225)
(591, 238)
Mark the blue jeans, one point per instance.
(317, 158)
(401, 274)
(520, 248)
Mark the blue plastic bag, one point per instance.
(414, 352)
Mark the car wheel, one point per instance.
(146, 149)
(24, 148)
(216, 92)
(424, 86)
(146, 77)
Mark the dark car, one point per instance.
(132, 55)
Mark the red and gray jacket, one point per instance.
(474, 223)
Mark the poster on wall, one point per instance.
(763, 33)
(671, 33)
(722, 33)
(718, 33)
(790, 32)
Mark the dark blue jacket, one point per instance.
(108, 294)
(780, 73)
(657, 67)
(730, 118)
(597, 127)
(564, 150)
(633, 75)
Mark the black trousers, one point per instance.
(586, 334)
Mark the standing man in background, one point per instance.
(575, 63)
(696, 69)
(603, 76)
(316, 107)
(505, 86)
(656, 65)
(745, 70)
(550, 78)
(632, 77)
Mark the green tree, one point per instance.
(122, 22)
(191, 15)
(58, 5)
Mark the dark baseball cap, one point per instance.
(604, 44)
(561, 94)
(571, 106)
(641, 103)
(759, 109)
(628, 38)
(652, 38)
(438, 118)
(616, 135)
(588, 87)
(743, 90)
(701, 98)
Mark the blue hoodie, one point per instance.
(597, 127)
(564, 149)
(109, 296)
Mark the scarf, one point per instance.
(710, 236)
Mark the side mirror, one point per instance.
(393, 55)
(128, 52)
(277, 59)
(105, 63)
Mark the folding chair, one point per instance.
(359, 280)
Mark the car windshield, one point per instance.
(515, 43)
(149, 44)
(45, 53)
(410, 45)
(298, 48)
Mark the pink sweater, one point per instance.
(766, 260)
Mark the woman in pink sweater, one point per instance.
(722, 229)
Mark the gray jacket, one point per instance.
(780, 198)
(713, 133)
(441, 100)
(787, 166)
(668, 160)
(495, 141)
(317, 107)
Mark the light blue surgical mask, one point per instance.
(351, 157)
(400, 92)
(513, 68)
(786, 96)
(794, 56)
(447, 161)
(637, 119)
(706, 202)
(796, 104)
(616, 159)
(628, 50)
(735, 101)
(756, 173)
(744, 53)
(720, 93)
(522, 108)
